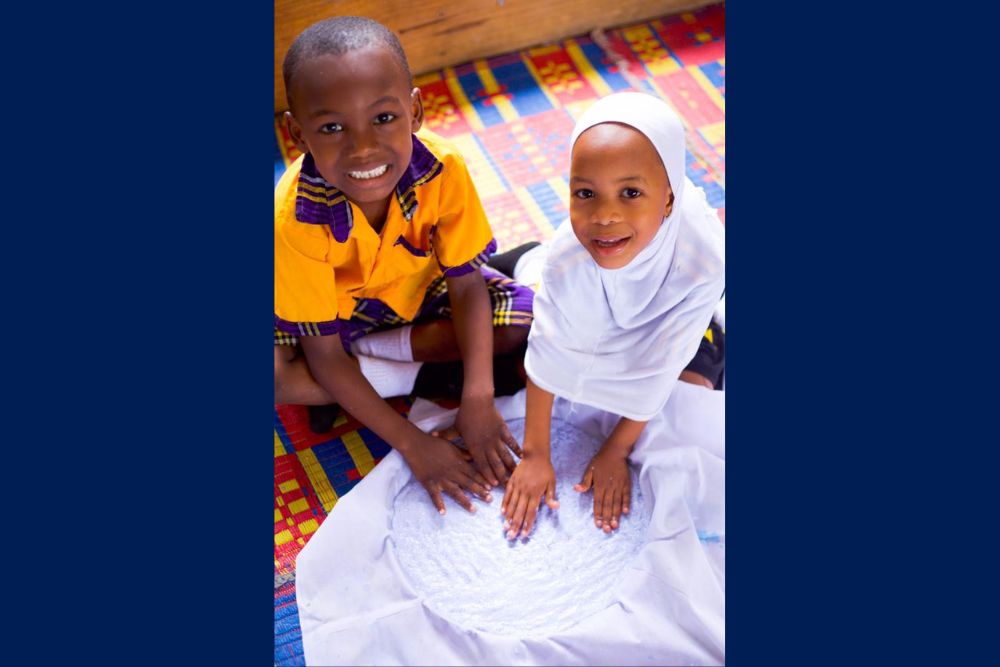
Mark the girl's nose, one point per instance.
(605, 214)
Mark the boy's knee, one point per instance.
(508, 339)
(283, 356)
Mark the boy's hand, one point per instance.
(442, 467)
(487, 438)
(531, 478)
(609, 475)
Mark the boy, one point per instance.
(372, 225)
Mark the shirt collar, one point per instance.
(320, 203)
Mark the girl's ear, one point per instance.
(416, 110)
(670, 203)
(295, 132)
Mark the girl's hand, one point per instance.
(532, 478)
(608, 474)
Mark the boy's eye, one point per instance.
(630, 193)
(385, 118)
(583, 193)
(330, 128)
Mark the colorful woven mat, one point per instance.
(511, 116)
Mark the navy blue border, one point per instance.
(857, 366)
(138, 270)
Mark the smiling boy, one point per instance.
(379, 238)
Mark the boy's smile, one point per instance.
(355, 114)
(619, 193)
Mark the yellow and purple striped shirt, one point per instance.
(327, 256)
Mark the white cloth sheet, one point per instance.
(465, 569)
(360, 604)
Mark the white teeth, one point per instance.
(373, 173)
(608, 242)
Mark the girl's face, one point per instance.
(619, 191)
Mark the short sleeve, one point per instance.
(463, 240)
(305, 297)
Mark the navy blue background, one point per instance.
(139, 297)
(138, 281)
(858, 363)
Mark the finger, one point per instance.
(529, 522)
(484, 467)
(496, 465)
(606, 509)
(599, 505)
(510, 503)
(482, 483)
(508, 497)
(443, 435)
(514, 520)
(450, 433)
(478, 477)
(472, 485)
(550, 497)
(626, 496)
(455, 491)
(511, 441)
(517, 522)
(507, 459)
(616, 506)
(435, 493)
(586, 482)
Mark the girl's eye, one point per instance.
(630, 193)
(384, 118)
(331, 128)
(583, 193)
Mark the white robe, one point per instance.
(617, 339)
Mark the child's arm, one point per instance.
(608, 474)
(483, 429)
(534, 475)
(436, 463)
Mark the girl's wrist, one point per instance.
(616, 449)
(535, 452)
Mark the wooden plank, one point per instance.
(439, 33)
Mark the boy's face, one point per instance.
(619, 193)
(355, 113)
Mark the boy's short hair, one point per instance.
(336, 36)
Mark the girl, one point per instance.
(626, 294)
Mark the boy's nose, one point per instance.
(363, 142)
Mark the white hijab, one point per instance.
(618, 339)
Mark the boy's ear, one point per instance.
(417, 109)
(295, 132)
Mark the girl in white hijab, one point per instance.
(627, 291)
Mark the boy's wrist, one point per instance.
(478, 392)
(407, 443)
